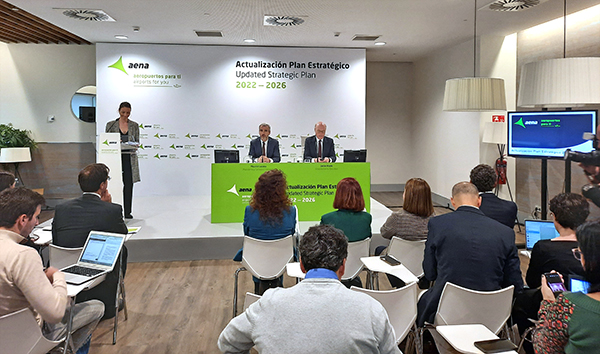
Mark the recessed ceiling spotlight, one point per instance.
(379, 43)
(120, 36)
(249, 40)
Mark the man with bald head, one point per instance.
(319, 148)
(469, 249)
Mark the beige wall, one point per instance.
(38, 80)
(389, 111)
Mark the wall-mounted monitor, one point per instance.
(355, 155)
(87, 114)
(548, 134)
(227, 156)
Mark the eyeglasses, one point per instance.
(576, 253)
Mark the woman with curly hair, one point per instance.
(270, 215)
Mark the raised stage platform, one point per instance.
(179, 228)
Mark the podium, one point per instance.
(108, 152)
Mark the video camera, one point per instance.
(590, 158)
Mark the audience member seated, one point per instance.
(484, 178)
(569, 323)
(25, 284)
(74, 219)
(469, 249)
(317, 315)
(269, 216)
(349, 216)
(410, 223)
(569, 210)
(7, 180)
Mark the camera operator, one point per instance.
(590, 163)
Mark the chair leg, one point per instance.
(117, 295)
(235, 290)
(524, 337)
(124, 297)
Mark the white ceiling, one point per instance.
(411, 28)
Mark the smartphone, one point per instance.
(555, 283)
(391, 260)
(495, 345)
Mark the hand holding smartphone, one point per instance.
(555, 283)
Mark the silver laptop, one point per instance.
(97, 258)
(536, 230)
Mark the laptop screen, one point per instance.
(536, 230)
(101, 249)
(577, 284)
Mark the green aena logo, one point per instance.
(120, 66)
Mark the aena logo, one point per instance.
(119, 65)
(522, 123)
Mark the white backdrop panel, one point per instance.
(190, 100)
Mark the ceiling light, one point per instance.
(379, 43)
(474, 94)
(120, 36)
(249, 40)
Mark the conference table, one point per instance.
(311, 187)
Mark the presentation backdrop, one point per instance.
(311, 187)
(190, 100)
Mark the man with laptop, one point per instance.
(25, 284)
(74, 219)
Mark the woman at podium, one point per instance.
(130, 140)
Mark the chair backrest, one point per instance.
(410, 253)
(61, 257)
(460, 305)
(400, 305)
(266, 259)
(356, 250)
(250, 299)
(20, 333)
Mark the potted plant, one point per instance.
(15, 145)
(11, 137)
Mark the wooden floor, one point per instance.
(181, 307)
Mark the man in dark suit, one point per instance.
(74, 219)
(469, 249)
(264, 149)
(319, 148)
(484, 178)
